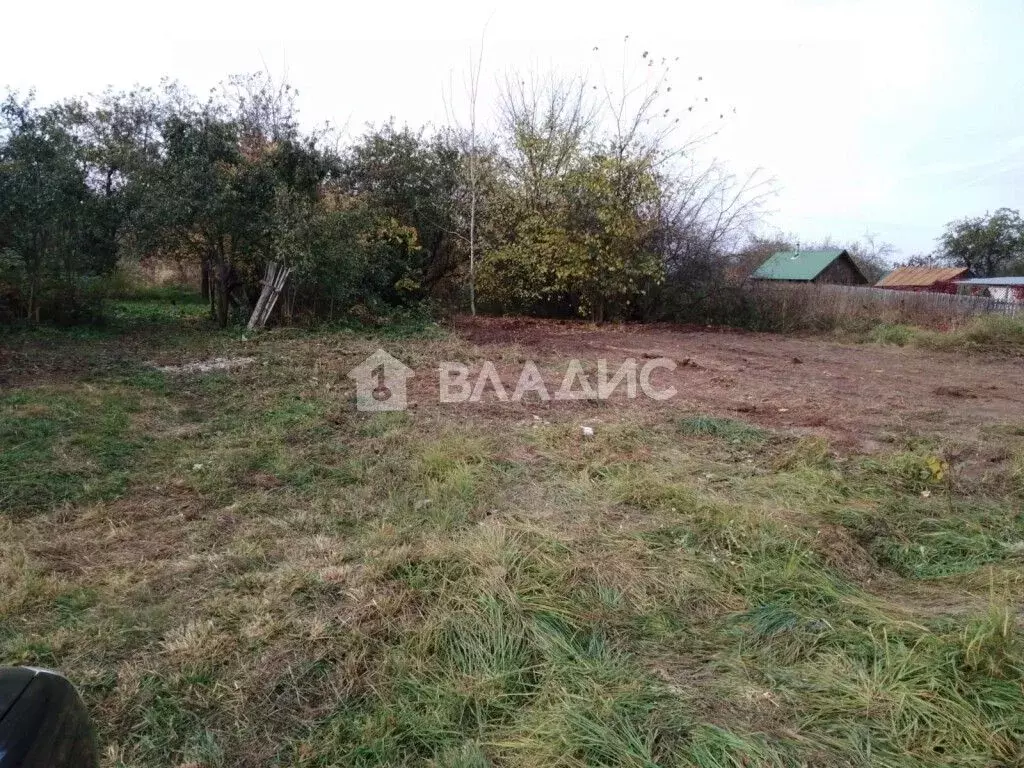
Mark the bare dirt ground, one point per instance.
(853, 394)
(857, 396)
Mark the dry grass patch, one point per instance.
(238, 569)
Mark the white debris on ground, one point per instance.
(206, 366)
(587, 431)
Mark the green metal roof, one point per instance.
(796, 265)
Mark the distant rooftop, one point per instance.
(796, 265)
(919, 277)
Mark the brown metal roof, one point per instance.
(906, 277)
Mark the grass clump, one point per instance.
(994, 331)
(507, 667)
(886, 333)
(725, 429)
(927, 538)
(986, 332)
(902, 700)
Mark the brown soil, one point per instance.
(856, 395)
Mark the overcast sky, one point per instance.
(887, 117)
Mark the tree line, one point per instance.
(228, 184)
(582, 200)
(586, 198)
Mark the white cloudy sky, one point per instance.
(891, 117)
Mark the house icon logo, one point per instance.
(381, 382)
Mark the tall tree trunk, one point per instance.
(223, 275)
(204, 280)
(472, 235)
(223, 283)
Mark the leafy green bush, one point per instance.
(56, 230)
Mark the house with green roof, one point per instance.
(830, 266)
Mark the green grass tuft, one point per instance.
(726, 429)
(900, 335)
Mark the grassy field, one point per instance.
(237, 568)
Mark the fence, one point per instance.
(798, 305)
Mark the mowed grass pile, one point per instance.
(239, 569)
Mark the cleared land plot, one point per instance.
(811, 556)
(852, 394)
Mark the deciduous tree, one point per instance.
(989, 245)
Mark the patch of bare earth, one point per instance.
(850, 394)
